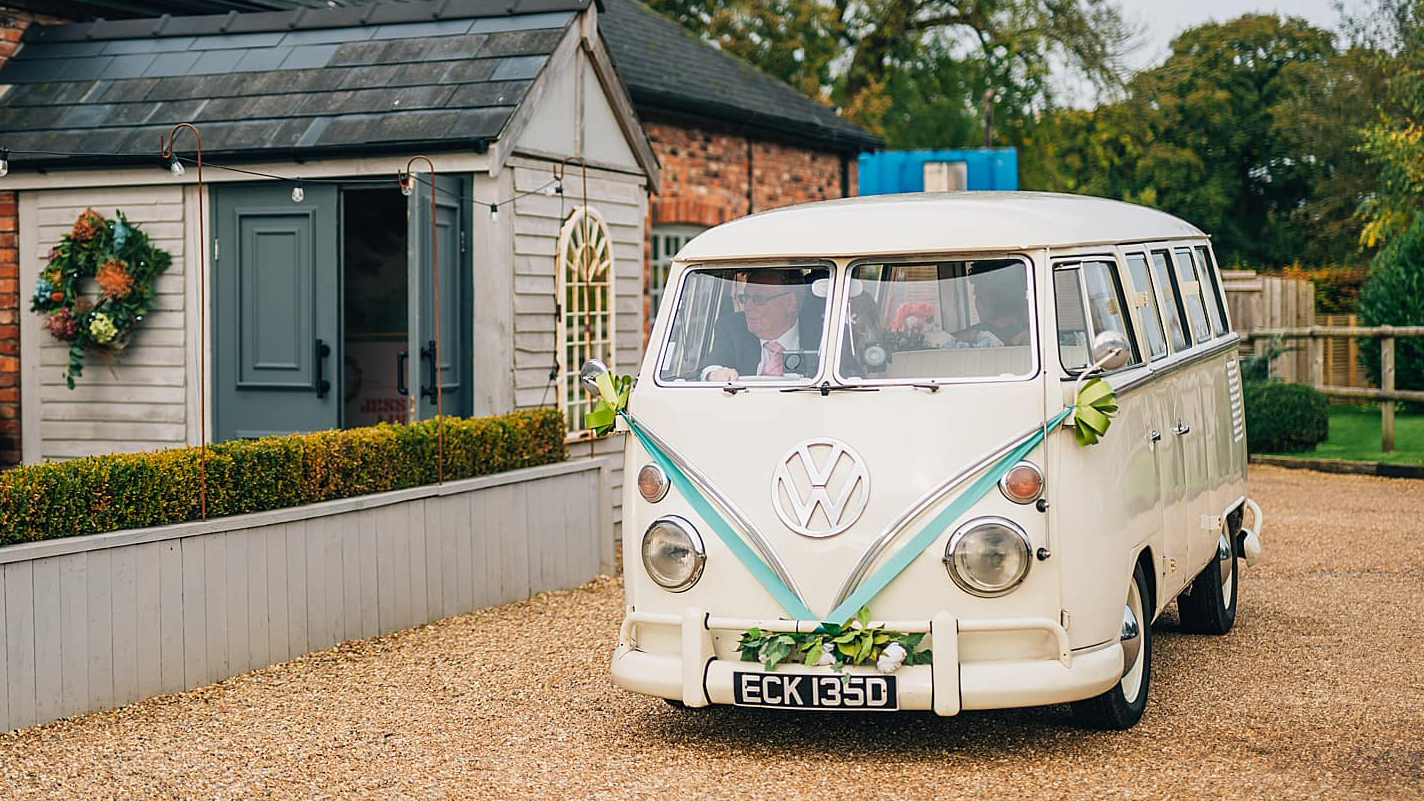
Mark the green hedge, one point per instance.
(121, 491)
(1283, 418)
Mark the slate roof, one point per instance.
(665, 67)
(441, 74)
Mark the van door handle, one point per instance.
(1155, 436)
(323, 386)
(1181, 428)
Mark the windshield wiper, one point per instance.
(826, 388)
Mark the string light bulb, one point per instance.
(407, 184)
(175, 166)
(4, 161)
(494, 212)
(297, 194)
(553, 189)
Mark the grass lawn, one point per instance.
(1355, 435)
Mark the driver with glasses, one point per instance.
(757, 340)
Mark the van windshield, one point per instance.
(932, 320)
(748, 325)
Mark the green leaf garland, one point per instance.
(854, 642)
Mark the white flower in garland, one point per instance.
(891, 658)
(828, 655)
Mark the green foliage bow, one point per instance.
(1093, 412)
(612, 399)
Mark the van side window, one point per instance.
(1217, 303)
(1190, 288)
(1171, 306)
(1144, 300)
(1105, 310)
(1072, 322)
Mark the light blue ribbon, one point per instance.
(881, 578)
(753, 563)
(878, 580)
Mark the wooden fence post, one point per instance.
(1318, 344)
(1387, 384)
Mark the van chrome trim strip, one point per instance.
(919, 507)
(1218, 349)
(733, 511)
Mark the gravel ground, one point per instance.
(1317, 693)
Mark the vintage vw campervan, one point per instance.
(931, 452)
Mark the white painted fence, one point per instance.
(88, 623)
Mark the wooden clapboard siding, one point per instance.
(138, 400)
(94, 622)
(622, 200)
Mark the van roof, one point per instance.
(932, 223)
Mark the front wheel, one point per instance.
(1122, 706)
(1209, 607)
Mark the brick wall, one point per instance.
(713, 173)
(9, 332)
(12, 26)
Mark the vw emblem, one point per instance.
(820, 488)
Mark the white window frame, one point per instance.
(665, 242)
(587, 326)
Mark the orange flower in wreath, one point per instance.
(114, 279)
(87, 226)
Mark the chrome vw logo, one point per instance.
(820, 488)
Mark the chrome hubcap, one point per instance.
(1131, 638)
(1225, 563)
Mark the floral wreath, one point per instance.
(118, 256)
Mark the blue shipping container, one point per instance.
(891, 171)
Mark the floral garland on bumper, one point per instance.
(118, 257)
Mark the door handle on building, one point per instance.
(401, 359)
(1181, 428)
(428, 353)
(323, 386)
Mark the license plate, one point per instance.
(793, 691)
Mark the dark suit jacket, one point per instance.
(734, 346)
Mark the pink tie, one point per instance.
(775, 359)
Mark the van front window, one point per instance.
(929, 320)
(748, 325)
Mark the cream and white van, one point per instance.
(871, 407)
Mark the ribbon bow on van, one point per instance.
(1093, 412)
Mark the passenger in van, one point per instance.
(758, 339)
(999, 299)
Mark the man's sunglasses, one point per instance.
(757, 301)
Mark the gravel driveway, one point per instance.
(1317, 693)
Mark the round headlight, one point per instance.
(988, 556)
(652, 483)
(1023, 483)
(673, 554)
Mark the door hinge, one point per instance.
(463, 240)
(215, 249)
(1210, 522)
(1169, 564)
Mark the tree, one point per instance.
(916, 70)
(1208, 136)
(1394, 295)
(1394, 143)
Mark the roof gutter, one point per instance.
(840, 141)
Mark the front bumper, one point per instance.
(696, 677)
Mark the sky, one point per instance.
(1162, 20)
(1159, 22)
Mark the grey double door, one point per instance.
(284, 329)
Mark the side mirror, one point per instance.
(1110, 351)
(589, 373)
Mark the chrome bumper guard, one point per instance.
(699, 668)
